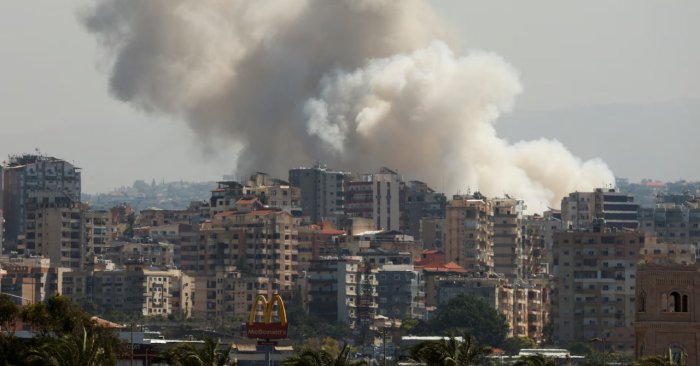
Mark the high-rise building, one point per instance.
(469, 232)
(420, 202)
(401, 293)
(583, 210)
(31, 182)
(378, 197)
(507, 236)
(595, 285)
(322, 192)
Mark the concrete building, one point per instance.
(508, 256)
(668, 302)
(538, 240)
(147, 292)
(400, 290)
(228, 294)
(322, 192)
(469, 232)
(420, 202)
(376, 196)
(583, 210)
(275, 193)
(595, 285)
(34, 181)
(31, 279)
(141, 255)
(343, 290)
(56, 231)
(672, 223)
(99, 231)
(523, 304)
(432, 233)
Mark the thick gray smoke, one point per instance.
(355, 83)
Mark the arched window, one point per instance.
(674, 302)
(678, 355)
(664, 303)
(684, 307)
(642, 302)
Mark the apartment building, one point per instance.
(523, 304)
(583, 210)
(672, 223)
(376, 196)
(275, 193)
(595, 284)
(228, 293)
(400, 291)
(420, 202)
(538, 240)
(432, 233)
(30, 182)
(343, 290)
(322, 192)
(57, 232)
(469, 232)
(141, 255)
(249, 248)
(508, 255)
(99, 231)
(31, 279)
(147, 292)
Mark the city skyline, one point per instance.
(73, 112)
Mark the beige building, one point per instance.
(31, 279)
(227, 294)
(56, 232)
(252, 248)
(523, 304)
(99, 231)
(469, 232)
(141, 255)
(145, 292)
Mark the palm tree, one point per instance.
(321, 357)
(186, 354)
(535, 360)
(12, 350)
(73, 350)
(451, 351)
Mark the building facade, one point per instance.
(322, 192)
(667, 308)
(469, 232)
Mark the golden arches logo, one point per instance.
(268, 307)
(267, 329)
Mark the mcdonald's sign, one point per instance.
(267, 329)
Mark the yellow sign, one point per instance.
(266, 328)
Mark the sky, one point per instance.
(605, 61)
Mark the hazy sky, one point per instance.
(54, 94)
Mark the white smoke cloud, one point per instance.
(355, 83)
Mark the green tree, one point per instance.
(73, 350)
(473, 315)
(9, 311)
(12, 350)
(451, 352)
(307, 356)
(513, 345)
(187, 354)
(535, 360)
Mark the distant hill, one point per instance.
(660, 140)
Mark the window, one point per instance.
(642, 302)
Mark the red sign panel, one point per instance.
(267, 330)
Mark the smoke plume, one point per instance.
(355, 83)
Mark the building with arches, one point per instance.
(667, 311)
